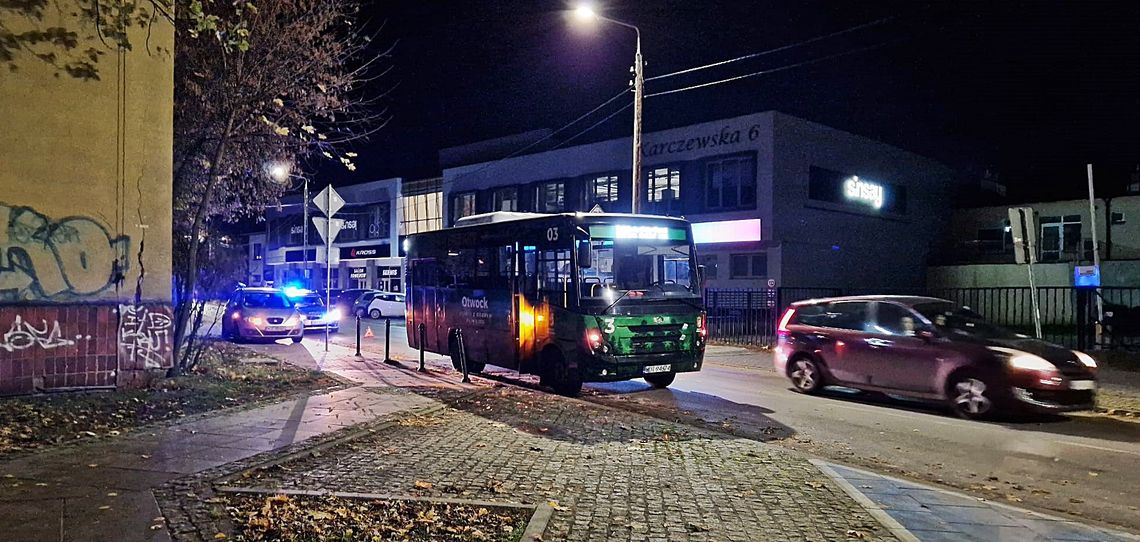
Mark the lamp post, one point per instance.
(281, 173)
(585, 13)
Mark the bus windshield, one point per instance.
(637, 258)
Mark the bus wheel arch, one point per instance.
(560, 371)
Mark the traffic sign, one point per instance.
(328, 228)
(329, 201)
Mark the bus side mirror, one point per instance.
(585, 255)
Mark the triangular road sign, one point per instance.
(596, 209)
(368, 332)
(333, 225)
(329, 201)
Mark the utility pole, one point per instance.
(305, 233)
(638, 86)
(1096, 256)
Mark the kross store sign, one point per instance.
(367, 251)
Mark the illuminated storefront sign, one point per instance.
(727, 231)
(856, 189)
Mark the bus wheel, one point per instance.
(660, 380)
(565, 380)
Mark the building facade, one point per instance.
(365, 254)
(85, 206)
(979, 251)
(775, 200)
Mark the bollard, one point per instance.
(388, 341)
(423, 341)
(462, 355)
(358, 335)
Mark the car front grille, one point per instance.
(275, 321)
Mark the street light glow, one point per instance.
(279, 172)
(585, 13)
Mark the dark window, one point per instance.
(710, 263)
(1060, 238)
(604, 189)
(257, 253)
(1117, 218)
(661, 181)
(748, 265)
(847, 315)
(893, 319)
(554, 275)
(730, 183)
(506, 199)
(462, 205)
(551, 197)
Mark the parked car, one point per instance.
(314, 315)
(346, 299)
(929, 348)
(360, 304)
(386, 304)
(261, 313)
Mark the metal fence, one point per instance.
(749, 316)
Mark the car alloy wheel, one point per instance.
(970, 398)
(375, 314)
(805, 376)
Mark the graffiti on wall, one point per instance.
(144, 335)
(23, 335)
(42, 259)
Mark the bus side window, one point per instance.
(530, 271)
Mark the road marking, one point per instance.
(1101, 448)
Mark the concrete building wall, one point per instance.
(85, 216)
(848, 244)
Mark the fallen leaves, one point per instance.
(287, 518)
(420, 484)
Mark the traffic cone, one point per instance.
(368, 332)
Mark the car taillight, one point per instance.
(782, 329)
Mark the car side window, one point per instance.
(891, 319)
(848, 315)
(811, 315)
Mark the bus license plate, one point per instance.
(657, 368)
(1082, 385)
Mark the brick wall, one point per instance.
(54, 347)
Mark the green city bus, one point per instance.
(572, 298)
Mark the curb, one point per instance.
(1123, 412)
(539, 518)
(880, 515)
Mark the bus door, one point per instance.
(499, 335)
(525, 300)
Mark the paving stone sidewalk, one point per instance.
(103, 491)
(614, 475)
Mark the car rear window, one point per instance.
(840, 315)
(266, 300)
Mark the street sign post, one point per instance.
(329, 202)
(1023, 230)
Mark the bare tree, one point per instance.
(281, 81)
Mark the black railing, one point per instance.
(749, 316)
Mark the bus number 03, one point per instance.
(551, 234)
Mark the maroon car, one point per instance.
(929, 348)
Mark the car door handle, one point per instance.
(877, 343)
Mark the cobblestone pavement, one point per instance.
(614, 475)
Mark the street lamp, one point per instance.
(280, 172)
(586, 13)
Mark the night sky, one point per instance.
(1033, 90)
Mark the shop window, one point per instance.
(748, 265)
(604, 189)
(551, 197)
(730, 183)
(507, 199)
(661, 181)
(421, 212)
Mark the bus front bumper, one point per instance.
(595, 369)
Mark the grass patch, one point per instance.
(221, 380)
(329, 518)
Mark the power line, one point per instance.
(544, 138)
(774, 70)
(778, 49)
(592, 126)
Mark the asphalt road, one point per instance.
(1085, 465)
